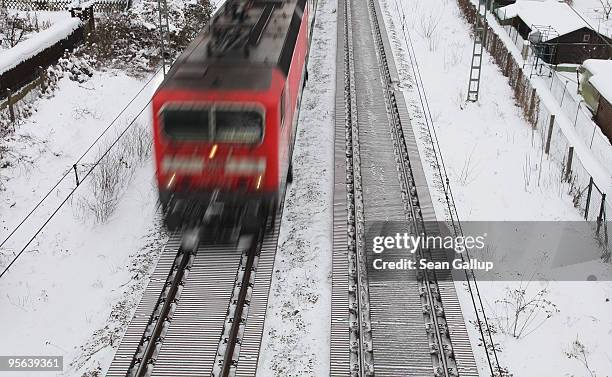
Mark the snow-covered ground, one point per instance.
(73, 290)
(296, 335)
(44, 17)
(32, 20)
(25, 33)
(497, 173)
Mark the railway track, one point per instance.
(400, 322)
(203, 311)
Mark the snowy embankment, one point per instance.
(497, 173)
(37, 43)
(73, 290)
(296, 335)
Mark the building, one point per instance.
(557, 34)
(596, 89)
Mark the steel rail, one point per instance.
(361, 330)
(159, 321)
(237, 320)
(437, 328)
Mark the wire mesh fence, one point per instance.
(565, 92)
(590, 199)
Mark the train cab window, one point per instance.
(238, 126)
(187, 124)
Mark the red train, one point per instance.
(225, 117)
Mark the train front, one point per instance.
(216, 147)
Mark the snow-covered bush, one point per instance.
(131, 40)
(428, 29)
(580, 353)
(523, 310)
(111, 177)
(15, 28)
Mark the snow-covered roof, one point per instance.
(40, 41)
(601, 79)
(553, 13)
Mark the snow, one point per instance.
(43, 16)
(73, 291)
(296, 333)
(596, 14)
(594, 162)
(497, 173)
(602, 76)
(36, 43)
(552, 13)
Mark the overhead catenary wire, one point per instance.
(441, 167)
(601, 36)
(93, 166)
(88, 172)
(68, 171)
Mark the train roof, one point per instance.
(240, 46)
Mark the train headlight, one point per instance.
(213, 152)
(245, 166)
(189, 165)
(171, 181)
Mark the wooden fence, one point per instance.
(102, 6)
(13, 98)
(17, 82)
(27, 70)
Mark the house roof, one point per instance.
(553, 13)
(601, 79)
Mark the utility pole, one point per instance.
(480, 35)
(164, 35)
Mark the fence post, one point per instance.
(568, 167)
(563, 95)
(42, 78)
(532, 103)
(76, 174)
(9, 98)
(551, 123)
(577, 111)
(92, 22)
(602, 210)
(588, 202)
(507, 68)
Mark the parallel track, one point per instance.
(396, 323)
(208, 318)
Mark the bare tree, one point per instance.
(606, 6)
(524, 311)
(579, 352)
(14, 28)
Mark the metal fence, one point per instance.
(574, 107)
(590, 199)
(519, 42)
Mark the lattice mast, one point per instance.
(480, 35)
(164, 35)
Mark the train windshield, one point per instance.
(234, 126)
(227, 126)
(187, 124)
